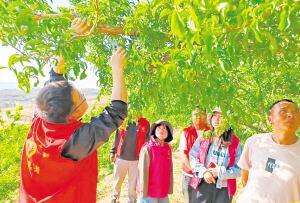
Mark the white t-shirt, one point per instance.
(274, 171)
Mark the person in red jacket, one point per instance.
(125, 152)
(187, 139)
(156, 166)
(59, 158)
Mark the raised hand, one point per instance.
(208, 177)
(118, 59)
(118, 62)
(80, 26)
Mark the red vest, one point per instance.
(46, 176)
(159, 169)
(141, 135)
(191, 135)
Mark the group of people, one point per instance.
(142, 151)
(59, 158)
(213, 159)
(210, 151)
(268, 164)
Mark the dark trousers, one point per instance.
(187, 190)
(208, 193)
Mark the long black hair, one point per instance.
(226, 136)
(168, 127)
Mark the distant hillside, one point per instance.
(10, 97)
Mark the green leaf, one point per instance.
(194, 17)
(16, 58)
(256, 35)
(208, 39)
(177, 2)
(76, 71)
(31, 70)
(177, 26)
(167, 69)
(83, 75)
(165, 12)
(273, 46)
(284, 19)
(222, 65)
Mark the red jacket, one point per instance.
(46, 176)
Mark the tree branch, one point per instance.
(114, 30)
(101, 29)
(257, 129)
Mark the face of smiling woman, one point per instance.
(161, 132)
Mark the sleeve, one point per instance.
(197, 167)
(87, 138)
(171, 177)
(245, 161)
(148, 133)
(231, 172)
(143, 167)
(182, 143)
(113, 149)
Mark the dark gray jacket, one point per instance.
(89, 136)
(129, 144)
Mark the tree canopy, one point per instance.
(241, 55)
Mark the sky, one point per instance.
(8, 79)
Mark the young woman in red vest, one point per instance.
(59, 158)
(214, 161)
(155, 165)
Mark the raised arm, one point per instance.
(91, 135)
